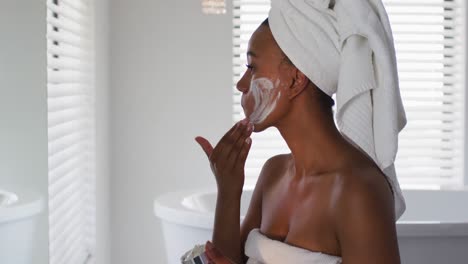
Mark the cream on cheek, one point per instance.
(265, 95)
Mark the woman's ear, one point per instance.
(299, 83)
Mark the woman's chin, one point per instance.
(259, 125)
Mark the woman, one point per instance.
(327, 200)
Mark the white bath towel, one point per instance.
(346, 47)
(263, 250)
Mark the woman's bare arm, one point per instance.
(227, 162)
(226, 232)
(365, 222)
(253, 216)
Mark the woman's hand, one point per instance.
(227, 159)
(214, 256)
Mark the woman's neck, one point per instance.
(315, 143)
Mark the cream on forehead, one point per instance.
(263, 91)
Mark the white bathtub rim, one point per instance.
(169, 208)
(432, 229)
(7, 198)
(29, 203)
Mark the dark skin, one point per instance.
(325, 196)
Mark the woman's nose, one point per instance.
(243, 84)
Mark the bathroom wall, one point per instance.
(170, 69)
(101, 15)
(23, 104)
(465, 169)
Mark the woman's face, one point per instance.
(261, 84)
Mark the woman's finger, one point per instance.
(215, 257)
(209, 245)
(242, 157)
(226, 143)
(213, 254)
(206, 145)
(220, 145)
(232, 130)
(236, 149)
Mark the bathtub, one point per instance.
(433, 230)
(18, 208)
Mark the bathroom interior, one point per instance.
(100, 102)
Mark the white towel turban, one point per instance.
(346, 47)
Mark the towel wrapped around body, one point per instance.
(262, 250)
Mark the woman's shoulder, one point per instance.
(362, 177)
(274, 167)
(363, 187)
(278, 161)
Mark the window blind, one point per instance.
(71, 131)
(430, 46)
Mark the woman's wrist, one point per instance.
(230, 191)
(229, 195)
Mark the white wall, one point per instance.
(23, 104)
(101, 15)
(171, 77)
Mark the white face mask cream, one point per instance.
(265, 97)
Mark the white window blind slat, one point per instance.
(69, 76)
(59, 171)
(63, 130)
(71, 241)
(66, 211)
(82, 18)
(430, 48)
(65, 160)
(63, 103)
(264, 4)
(68, 64)
(68, 38)
(71, 119)
(56, 118)
(70, 26)
(422, 4)
(67, 51)
(63, 90)
(62, 182)
(79, 6)
(67, 214)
